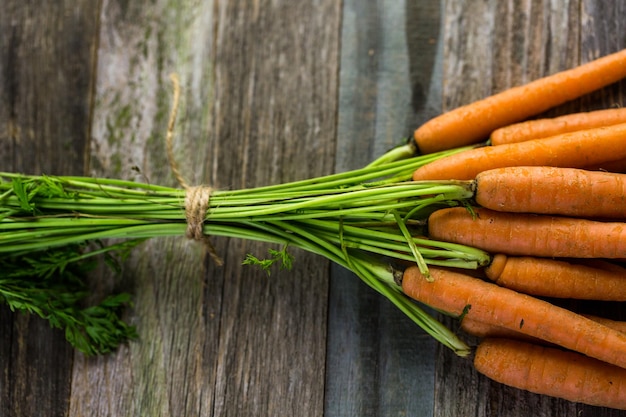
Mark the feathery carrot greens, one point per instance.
(363, 220)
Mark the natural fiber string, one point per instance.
(197, 198)
(196, 205)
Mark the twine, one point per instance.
(197, 198)
(196, 205)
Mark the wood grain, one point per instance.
(258, 107)
(46, 74)
(371, 346)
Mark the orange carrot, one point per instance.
(571, 150)
(529, 234)
(458, 294)
(555, 278)
(543, 128)
(550, 371)
(551, 190)
(613, 324)
(479, 329)
(475, 121)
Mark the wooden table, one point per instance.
(273, 91)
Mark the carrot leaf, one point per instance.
(281, 257)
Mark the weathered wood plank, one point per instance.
(602, 26)
(46, 73)
(491, 46)
(379, 362)
(259, 107)
(275, 79)
(47, 59)
(140, 44)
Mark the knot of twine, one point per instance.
(196, 206)
(197, 198)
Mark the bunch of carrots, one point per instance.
(549, 207)
(535, 209)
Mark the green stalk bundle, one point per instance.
(367, 220)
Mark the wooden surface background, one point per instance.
(273, 91)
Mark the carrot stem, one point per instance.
(381, 278)
(416, 253)
(359, 220)
(408, 150)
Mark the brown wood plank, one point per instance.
(258, 107)
(46, 74)
(47, 59)
(491, 46)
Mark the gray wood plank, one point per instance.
(258, 107)
(378, 362)
(602, 26)
(46, 74)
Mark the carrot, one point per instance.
(529, 234)
(571, 150)
(479, 329)
(550, 371)
(475, 121)
(458, 294)
(543, 128)
(555, 278)
(613, 324)
(551, 190)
